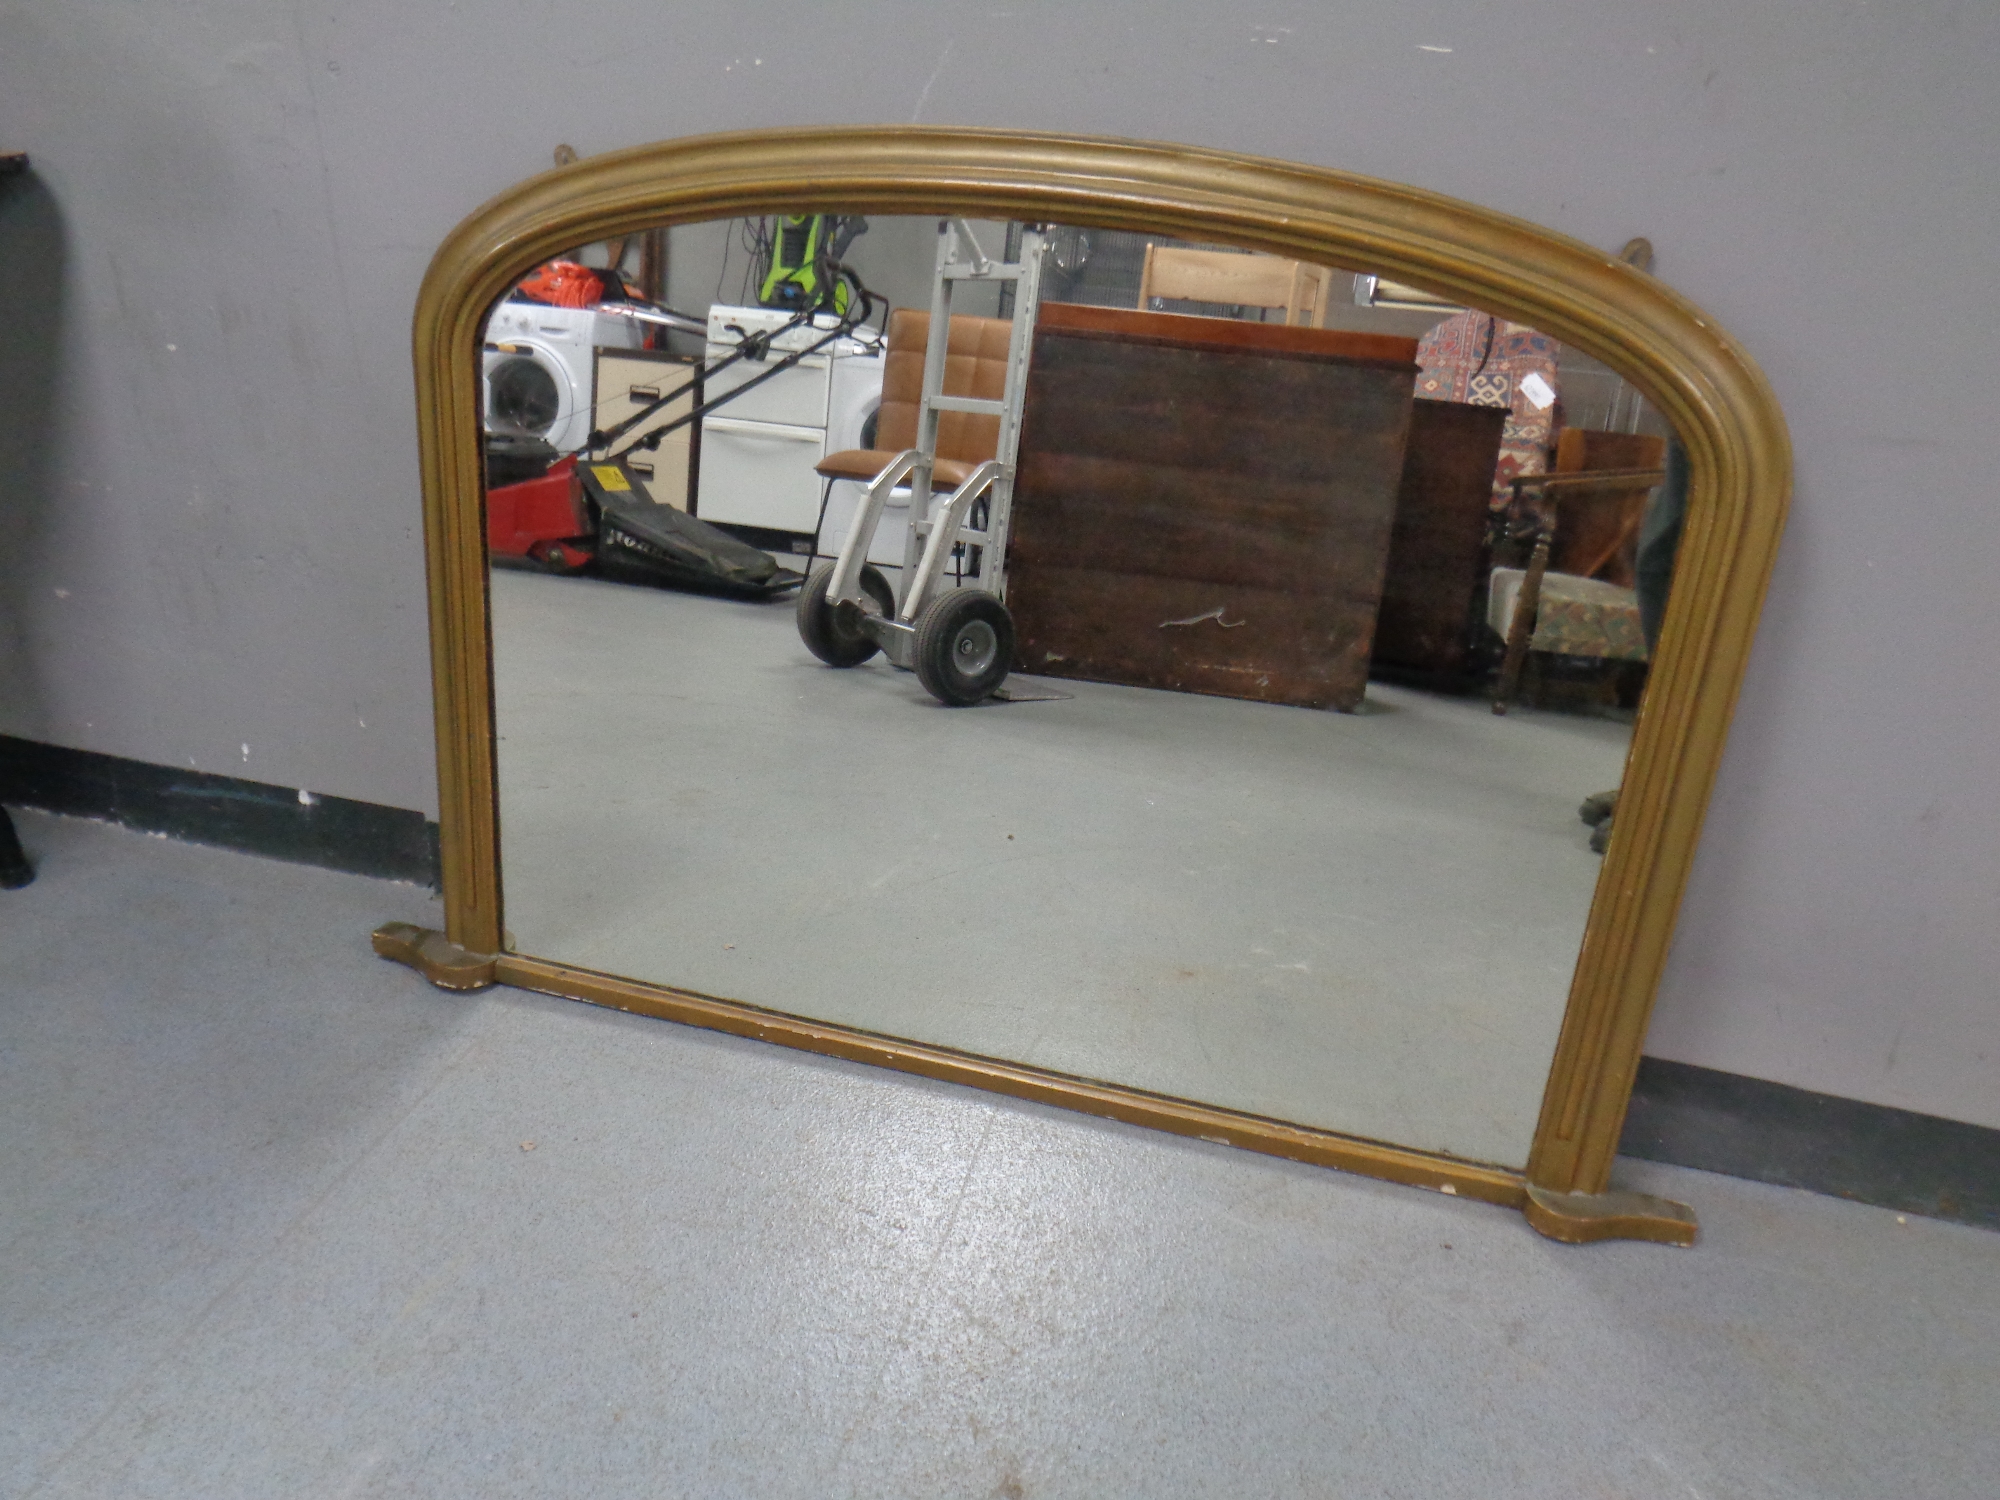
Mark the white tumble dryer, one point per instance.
(539, 369)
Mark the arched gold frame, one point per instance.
(1740, 473)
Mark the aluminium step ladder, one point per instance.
(960, 262)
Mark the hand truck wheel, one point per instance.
(964, 647)
(833, 632)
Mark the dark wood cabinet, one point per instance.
(1438, 556)
(1206, 505)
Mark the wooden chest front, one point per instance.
(1205, 505)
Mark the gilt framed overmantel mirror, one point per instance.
(1123, 625)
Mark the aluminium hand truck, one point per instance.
(959, 641)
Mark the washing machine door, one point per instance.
(530, 391)
(854, 396)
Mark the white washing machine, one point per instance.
(758, 452)
(892, 532)
(854, 393)
(539, 365)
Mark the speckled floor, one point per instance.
(278, 1219)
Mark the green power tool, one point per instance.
(804, 251)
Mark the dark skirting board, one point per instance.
(336, 833)
(1770, 1132)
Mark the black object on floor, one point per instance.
(512, 457)
(15, 871)
(641, 542)
(392, 843)
(1770, 1132)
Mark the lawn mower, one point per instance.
(588, 513)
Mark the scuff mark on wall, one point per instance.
(924, 94)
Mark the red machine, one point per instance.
(556, 519)
(544, 520)
(600, 516)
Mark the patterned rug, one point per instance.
(1487, 361)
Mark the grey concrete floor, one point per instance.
(271, 1226)
(1365, 922)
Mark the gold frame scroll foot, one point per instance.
(434, 956)
(1585, 1218)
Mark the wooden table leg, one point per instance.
(1522, 626)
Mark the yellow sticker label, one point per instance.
(610, 476)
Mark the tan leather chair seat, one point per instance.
(865, 463)
(975, 365)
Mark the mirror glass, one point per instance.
(1165, 748)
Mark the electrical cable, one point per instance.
(754, 347)
(756, 239)
(1492, 327)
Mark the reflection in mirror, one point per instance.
(1188, 674)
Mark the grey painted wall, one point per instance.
(211, 513)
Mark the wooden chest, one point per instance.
(1205, 505)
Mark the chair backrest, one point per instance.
(1236, 278)
(1597, 530)
(975, 365)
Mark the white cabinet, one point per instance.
(760, 474)
(794, 397)
(758, 451)
(630, 380)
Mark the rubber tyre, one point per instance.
(820, 624)
(964, 647)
